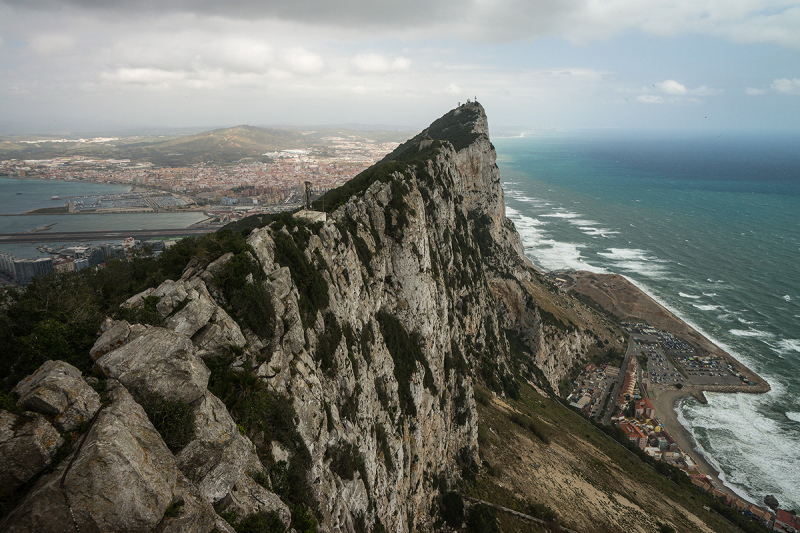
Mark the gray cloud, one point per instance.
(580, 21)
(201, 63)
(343, 12)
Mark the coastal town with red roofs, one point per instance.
(624, 397)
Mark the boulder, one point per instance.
(215, 267)
(219, 334)
(771, 501)
(115, 334)
(159, 361)
(185, 305)
(190, 512)
(121, 479)
(137, 299)
(56, 388)
(264, 246)
(198, 307)
(27, 445)
(220, 454)
(247, 497)
(170, 294)
(212, 422)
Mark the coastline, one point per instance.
(626, 300)
(664, 405)
(666, 400)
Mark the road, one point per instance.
(73, 236)
(618, 385)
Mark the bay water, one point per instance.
(23, 195)
(709, 226)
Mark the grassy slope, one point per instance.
(589, 480)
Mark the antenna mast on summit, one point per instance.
(308, 195)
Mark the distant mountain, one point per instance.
(218, 146)
(225, 145)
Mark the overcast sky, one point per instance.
(534, 64)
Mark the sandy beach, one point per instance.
(664, 406)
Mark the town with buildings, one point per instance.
(656, 361)
(224, 191)
(66, 259)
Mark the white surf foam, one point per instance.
(706, 307)
(787, 297)
(793, 416)
(745, 322)
(545, 251)
(684, 295)
(617, 254)
(597, 232)
(555, 255)
(562, 214)
(635, 260)
(789, 345)
(745, 445)
(710, 294)
(750, 333)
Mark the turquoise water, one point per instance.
(710, 227)
(38, 194)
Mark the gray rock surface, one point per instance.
(122, 478)
(221, 333)
(198, 306)
(57, 389)
(219, 454)
(115, 334)
(247, 497)
(27, 445)
(194, 513)
(158, 361)
(431, 247)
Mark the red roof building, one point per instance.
(644, 409)
(786, 521)
(634, 434)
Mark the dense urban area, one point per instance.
(223, 192)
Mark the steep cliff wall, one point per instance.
(334, 363)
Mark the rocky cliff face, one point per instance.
(327, 369)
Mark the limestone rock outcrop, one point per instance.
(28, 443)
(57, 389)
(114, 333)
(247, 497)
(158, 361)
(381, 319)
(121, 479)
(219, 455)
(192, 513)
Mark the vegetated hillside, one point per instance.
(217, 146)
(322, 376)
(220, 146)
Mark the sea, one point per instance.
(22, 195)
(708, 224)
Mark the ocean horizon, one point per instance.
(708, 225)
